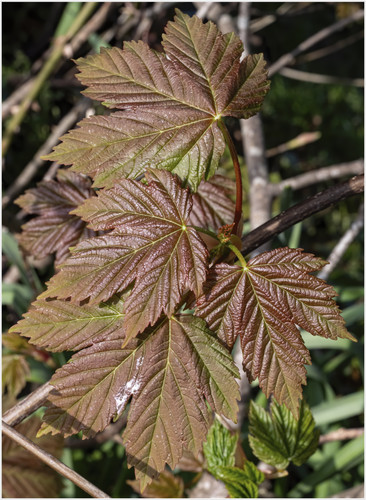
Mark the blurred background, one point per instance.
(312, 121)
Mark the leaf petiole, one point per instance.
(206, 231)
(238, 178)
(237, 252)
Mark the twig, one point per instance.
(325, 51)
(297, 142)
(45, 72)
(94, 23)
(18, 94)
(27, 405)
(289, 58)
(301, 211)
(319, 175)
(341, 435)
(306, 76)
(31, 169)
(52, 462)
(342, 245)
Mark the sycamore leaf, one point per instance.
(15, 370)
(277, 438)
(170, 372)
(151, 244)
(54, 230)
(171, 103)
(24, 475)
(213, 206)
(167, 485)
(263, 303)
(60, 325)
(240, 483)
(220, 447)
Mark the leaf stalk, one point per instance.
(238, 178)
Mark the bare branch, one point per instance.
(325, 51)
(289, 58)
(52, 462)
(31, 169)
(306, 76)
(341, 435)
(342, 245)
(301, 211)
(322, 174)
(27, 405)
(297, 142)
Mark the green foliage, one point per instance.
(277, 438)
(220, 450)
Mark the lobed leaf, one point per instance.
(25, 476)
(54, 230)
(59, 325)
(213, 206)
(15, 370)
(150, 244)
(263, 303)
(170, 104)
(170, 372)
(167, 485)
(220, 447)
(277, 438)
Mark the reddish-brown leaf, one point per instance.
(213, 206)
(170, 372)
(54, 230)
(25, 476)
(171, 103)
(150, 243)
(263, 303)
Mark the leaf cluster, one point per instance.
(151, 315)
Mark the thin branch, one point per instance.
(52, 462)
(238, 179)
(330, 49)
(341, 435)
(320, 175)
(28, 405)
(56, 54)
(289, 58)
(301, 211)
(31, 169)
(343, 244)
(306, 76)
(297, 142)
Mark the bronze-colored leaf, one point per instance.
(54, 230)
(213, 205)
(59, 325)
(170, 104)
(15, 370)
(263, 302)
(151, 243)
(23, 474)
(170, 372)
(167, 485)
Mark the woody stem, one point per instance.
(238, 179)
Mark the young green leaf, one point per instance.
(151, 244)
(171, 103)
(54, 230)
(240, 483)
(263, 302)
(277, 438)
(220, 446)
(59, 325)
(170, 372)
